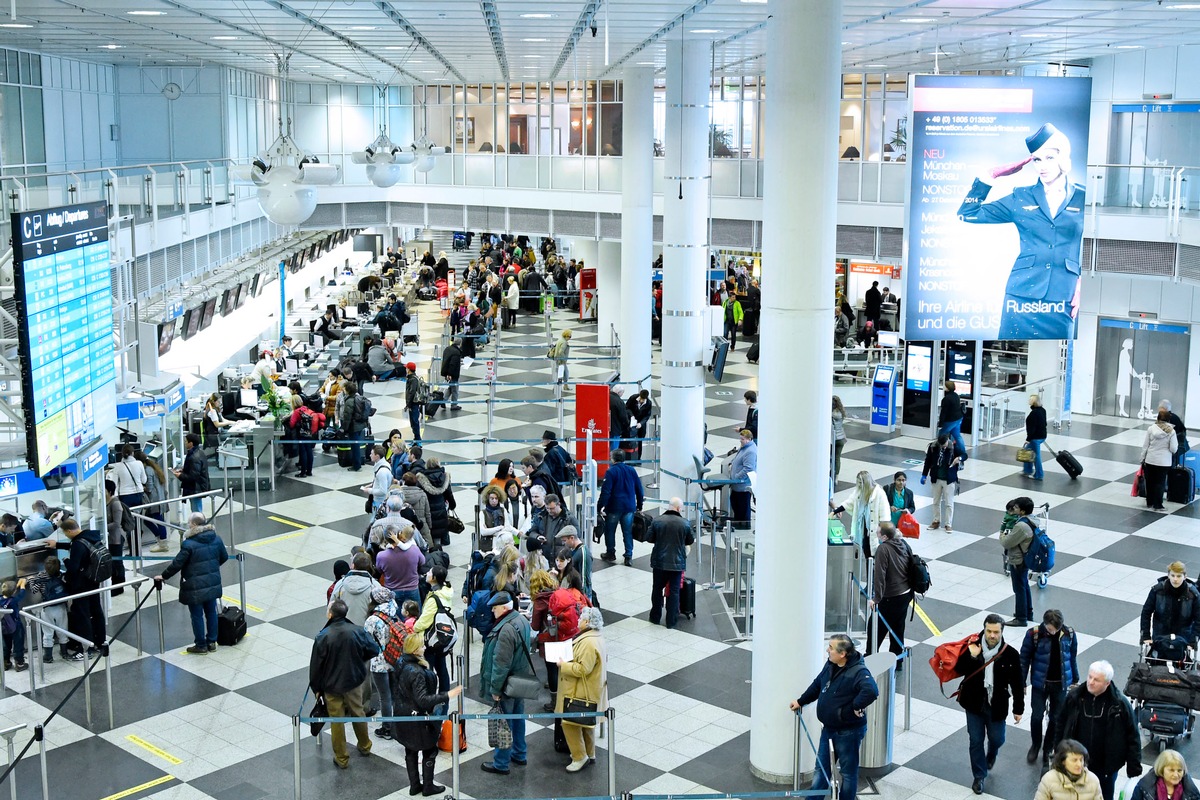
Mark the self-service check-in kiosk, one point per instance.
(920, 365)
(883, 399)
(961, 359)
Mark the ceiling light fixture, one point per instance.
(15, 25)
(1129, 47)
(224, 38)
(917, 20)
(646, 64)
(875, 66)
(1037, 35)
(704, 30)
(112, 46)
(1186, 6)
(364, 28)
(755, 2)
(533, 40)
(146, 13)
(538, 16)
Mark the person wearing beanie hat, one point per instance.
(340, 568)
(379, 624)
(412, 391)
(1041, 298)
(557, 459)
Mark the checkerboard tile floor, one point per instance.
(218, 726)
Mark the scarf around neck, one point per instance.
(989, 672)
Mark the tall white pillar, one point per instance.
(637, 220)
(685, 259)
(608, 285)
(795, 384)
(584, 250)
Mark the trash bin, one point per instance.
(842, 556)
(876, 750)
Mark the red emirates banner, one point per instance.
(591, 413)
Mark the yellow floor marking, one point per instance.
(274, 539)
(163, 754)
(925, 618)
(143, 787)
(231, 601)
(288, 522)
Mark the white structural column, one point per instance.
(637, 220)
(795, 383)
(685, 259)
(608, 284)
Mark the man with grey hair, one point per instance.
(1180, 432)
(505, 653)
(671, 536)
(38, 525)
(1099, 717)
(378, 531)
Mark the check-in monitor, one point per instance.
(249, 398)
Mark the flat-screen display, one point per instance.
(243, 294)
(883, 374)
(192, 326)
(254, 284)
(166, 335)
(210, 308)
(184, 322)
(889, 339)
(249, 398)
(919, 367)
(228, 301)
(64, 301)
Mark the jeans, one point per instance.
(14, 644)
(349, 704)
(204, 622)
(978, 726)
(502, 759)
(955, 430)
(385, 375)
(672, 582)
(383, 688)
(1049, 697)
(1108, 782)
(356, 450)
(305, 457)
(730, 333)
(610, 531)
(943, 498)
(414, 422)
(845, 747)
(406, 594)
(1035, 468)
(1020, 585)
(197, 504)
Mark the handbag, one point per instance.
(908, 526)
(370, 505)
(499, 733)
(454, 524)
(1139, 483)
(524, 687)
(572, 705)
(446, 737)
(319, 710)
(1025, 455)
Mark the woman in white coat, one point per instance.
(512, 301)
(1158, 451)
(868, 507)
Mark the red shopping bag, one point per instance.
(1139, 484)
(908, 526)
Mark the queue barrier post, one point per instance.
(39, 734)
(107, 652)
(8, 734)
(611, 714)
(296, 756)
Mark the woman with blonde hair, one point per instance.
(838, 417)
(1168, 779)
(1035, 436)
(508, 572)
(868, 507)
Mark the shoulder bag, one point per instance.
(524, 687)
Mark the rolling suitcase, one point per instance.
(641, 525)
(1068, 462)
(343, 456)
(1181, 485)
(752, 353)
(231, 626)
(687, 599)
(437, 401)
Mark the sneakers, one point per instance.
(933, 526)
(160, 547)
(575, 766)
(212, 647)
(20, 666)
(382, 732)
(609, 556)
(76, 656)
(197, 650)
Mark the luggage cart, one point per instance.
(410, 332)
(1149, 387)
(1041, 516)
(1164, 686)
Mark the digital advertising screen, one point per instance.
(228, 301)
(254, 284)
(191, 321)
(64, 318)
(166, 336)
(996, 206)
(210, 308)
(918, 368)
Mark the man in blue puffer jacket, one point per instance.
(199, 560)
(620, 496)
(843, 691)
(1049, 667)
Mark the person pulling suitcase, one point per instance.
(671, 534)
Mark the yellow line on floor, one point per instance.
(274, 539)
(233, 602)
(925, 618)
(158, 751)
(288, 522)
(140, 788)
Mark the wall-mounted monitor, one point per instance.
(210, 308)
(254, 284)
(243, 294)
(889, 339)
(166, 335)
(228, 301)
(192, 324)
(63, 294)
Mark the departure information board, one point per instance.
(64, 306)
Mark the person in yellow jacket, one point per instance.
(732, 313)
(583, 679)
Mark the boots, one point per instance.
(63, 651)
(429, 788)
(414, 776)
(48, 655)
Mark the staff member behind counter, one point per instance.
(1041, 298)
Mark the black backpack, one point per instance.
(304, 424)
(918, 573)
(99, 565)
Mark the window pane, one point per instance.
(35, 144)
(12, 150)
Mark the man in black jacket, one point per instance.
(1180, 432)
(618, 420)
(1171, 610)
(873, 303)
(950, 417)
(451, 371)
(992, 673)
(557, 460)
(1099, 717)
(337, 670)
(671, 536)
(843, 690)
(86, 616)
(193, 475)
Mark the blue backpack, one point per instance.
(479, 613)
(1040, 555)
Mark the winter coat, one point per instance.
(1056, 785)
(622, 490)
(1173, 611)
(503, 654)
(618, 422)
(416, 497)
(1146, 789)
(193, 478)
(414, 693)
(1035, 424)
(1160, 444)
(429, 609)
(1035, 656)
(1007, 684)
(545, 528)
(557, 463)
(892, 558)
(339, 657)
(878, 510)
(436, 484)
(951, 409)
(840, 692)
(354, 589)
(78, 559)
(401, 567)
(452, 358)
(1016, 542)
(1114, 741)
(670, 534)
(199, 562)
(936, 456)
(585, 676)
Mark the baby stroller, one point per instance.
(1164, 687)
(1041, 518)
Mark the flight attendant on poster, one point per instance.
(1041, 298)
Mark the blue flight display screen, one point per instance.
(64, 303)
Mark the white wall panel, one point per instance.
(1102, 78)
(143, 143)
(53, 124)
(1128, 75)
(1145, 296)
(1176, 304)
(1160, 71)
(1114, 295)
(200, 136)
(1083, 375)
(1187, 75)
(74, 132)
(90, 126)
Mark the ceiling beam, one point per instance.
(395, 16)
(492, 17)
(683, 17)
(587, 20)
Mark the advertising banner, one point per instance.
(996, 206)
(591, 413)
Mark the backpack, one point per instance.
(442, 635)
(562, 622)
(421, 395)
(128, 523)
(395, 643)
(304, 424)
(479, 613)
(918, 573)
(1040, 555)
(53, 589)
(99, 565)
(480, 564)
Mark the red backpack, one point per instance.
(564, 606)
(394, 648)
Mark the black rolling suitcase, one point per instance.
(1181, 485)
(687, 599)
(343, 455)
(641, 525)
(1068, 462)
(231, 626)
(752, 353)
